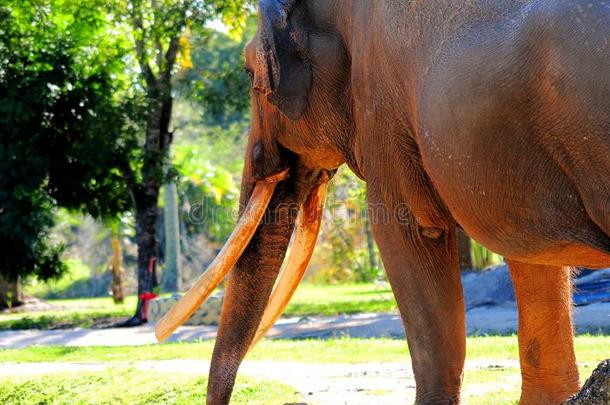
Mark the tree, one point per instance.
(216, 80)
(10, 292)
(64, 136)
(159, 29)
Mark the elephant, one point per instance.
(488, 115)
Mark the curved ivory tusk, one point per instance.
(300, 254)
(226, 259)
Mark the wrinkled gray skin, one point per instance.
(492, 114)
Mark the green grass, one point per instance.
(131, 386)
(492, 386)
(77, 272)
(311, 299)
(589, 350)
(308, 300)
(70, 313)
(489, 385)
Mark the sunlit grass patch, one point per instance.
(492, 375)
(311, 299)
(590, 350)
(70, 313)
(131, 386)
(492, 385)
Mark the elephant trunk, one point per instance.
(247, 293)
(250, 285)
(305, 237)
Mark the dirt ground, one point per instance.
(337, 384)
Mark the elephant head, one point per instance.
(301, 122)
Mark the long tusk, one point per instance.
(300, 254)
(226, 259)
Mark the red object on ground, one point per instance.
(145, 298)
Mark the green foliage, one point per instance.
(59, 80)
(341, 253)
(76, 273)
(483, 257)
(208, 159)
(145, 387)
(78, 84)
(217, 81)
(214, 196)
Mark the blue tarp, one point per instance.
(493, 286)
(592, 286)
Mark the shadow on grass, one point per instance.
(68, 320)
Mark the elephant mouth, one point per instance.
(305, 237)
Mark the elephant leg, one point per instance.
(422, 267)
(546, 347)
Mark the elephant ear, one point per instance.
(283, 70)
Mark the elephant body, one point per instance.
(517, 140)
(493, 109)
(492, 115)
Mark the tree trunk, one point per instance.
(156, 150)
(146, 220)
(463, 245)
(155, 157)
(10, 293)
(117, 284)
(171, 268)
